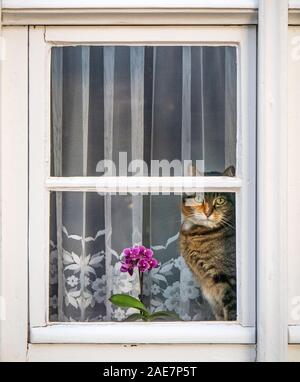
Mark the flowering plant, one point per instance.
(143, 259)
(138, 257)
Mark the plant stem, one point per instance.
(141, 277)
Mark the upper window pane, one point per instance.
(151, 103)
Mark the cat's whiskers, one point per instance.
(225, 222)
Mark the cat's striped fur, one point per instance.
(208, 245)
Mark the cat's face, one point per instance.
(210, 210)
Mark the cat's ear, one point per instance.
(188, 195)
(194, 171)
(230, 171)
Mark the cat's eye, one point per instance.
(220, 201)
(198, 199)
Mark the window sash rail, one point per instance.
(141, 184)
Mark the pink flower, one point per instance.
(143, 265)
(127, 268)
(138, 257)
(153, 263)
(148, 253)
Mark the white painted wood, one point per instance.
(13, 195)
(152, 35)
(142, 184)
(294, 334)
(130, 16)
(129, 4)
(39, 163)
(272, 181)
(141, 353)
(293, 237)
(246, 169)
(143, 332)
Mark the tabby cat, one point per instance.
(207, 241)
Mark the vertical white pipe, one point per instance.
(272, 323)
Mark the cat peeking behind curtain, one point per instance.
(207, 241)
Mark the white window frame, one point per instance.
(41, 40)
(293, 179)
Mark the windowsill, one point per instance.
(140, 332)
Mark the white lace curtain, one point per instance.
(166, 102)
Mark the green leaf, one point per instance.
(163, 315)
(136, 316)
(126, 301)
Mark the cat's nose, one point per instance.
(208, 213)
(207, 210)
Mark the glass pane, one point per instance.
(192, 237)
(146, 103)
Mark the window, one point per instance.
(148, 94)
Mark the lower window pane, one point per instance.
(192, 238)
